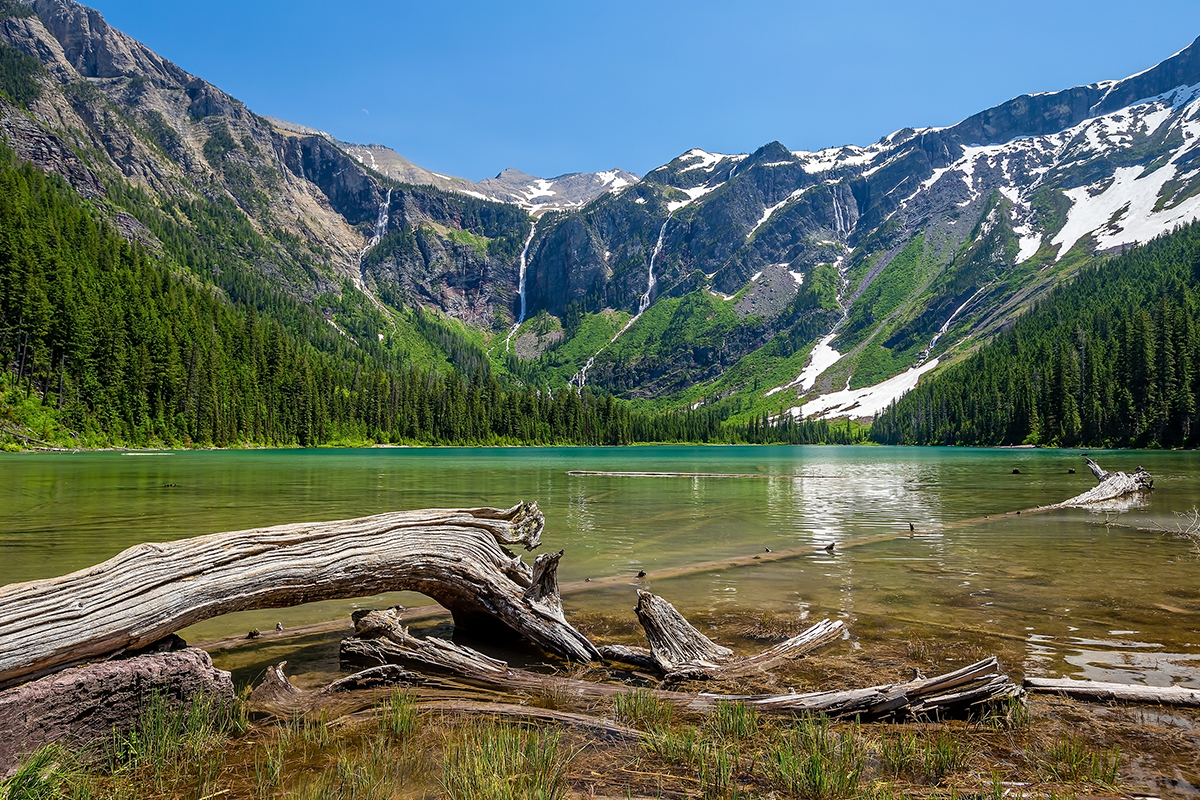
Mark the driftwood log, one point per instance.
(380, 638)
(680, 652)
(1110, 486)
(1107, 692)
(458, 557)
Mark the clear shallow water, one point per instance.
(1057, 593)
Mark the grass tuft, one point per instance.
(642, 709)
(487, 760)
(815, 761)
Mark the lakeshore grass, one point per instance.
(402, 744)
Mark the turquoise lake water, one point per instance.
(1062, 592)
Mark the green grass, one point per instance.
(398, 716)
(642, 709)
(488, 760)
(817, 761)
(1070, 760)
(556, 366)
(468, 239)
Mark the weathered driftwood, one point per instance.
(680, 652)
(455, 556)
(382, 639)
(954, 693)
(86, 703)
(1106, 692)
(674, 642)
(1111, 486)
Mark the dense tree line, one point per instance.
(121, 347)
(1112, 359)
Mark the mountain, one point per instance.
(915, 248)
(1110, 360)
(533, 194)
(563, 193)
(775, 284)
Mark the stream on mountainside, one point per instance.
(1052, 593)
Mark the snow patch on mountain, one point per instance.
(1124, 212)
(695, 193)
(704, 160)
(822, 358)
(865, 402)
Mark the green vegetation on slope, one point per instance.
(1112, 359)
(106, 345)
(18, 74)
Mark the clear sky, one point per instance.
(469, 87)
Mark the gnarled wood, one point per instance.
(1111, 486)
(680, 652)
(456, 556)
(382, 639)
(954, 693)
(674, 641)
(1106, 692)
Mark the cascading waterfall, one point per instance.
(381, 222)
(838, 223)
(650, 281)
(580, 378)
(921, 359)
(359, 279)
(521, 284)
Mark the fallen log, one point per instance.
(458, 557)
(1110, 486)
(382, 639)
(958, 692)
(681, 652)
(1107, 692)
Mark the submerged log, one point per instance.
(1106, 692)
(1111, 486)
(458, 557)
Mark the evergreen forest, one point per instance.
(107, 343)
(1111, 359)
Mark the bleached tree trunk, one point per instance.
(458, 557)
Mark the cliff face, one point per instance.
(111, 110)
(926, 241)
(712, 276)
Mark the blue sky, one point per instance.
(469, 88)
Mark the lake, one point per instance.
(1057, 593)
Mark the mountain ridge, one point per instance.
(716, 279)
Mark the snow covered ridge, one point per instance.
(562, 193)
(532, 193)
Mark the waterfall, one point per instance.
(651, 282)
(359, 279)
(381, 223)
(839, 225)
(921, 359)
(521, 284)
(579, 378)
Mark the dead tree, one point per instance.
(458, 557)
(381, 639)
(1111, 485)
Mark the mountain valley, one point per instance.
(762, 286)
